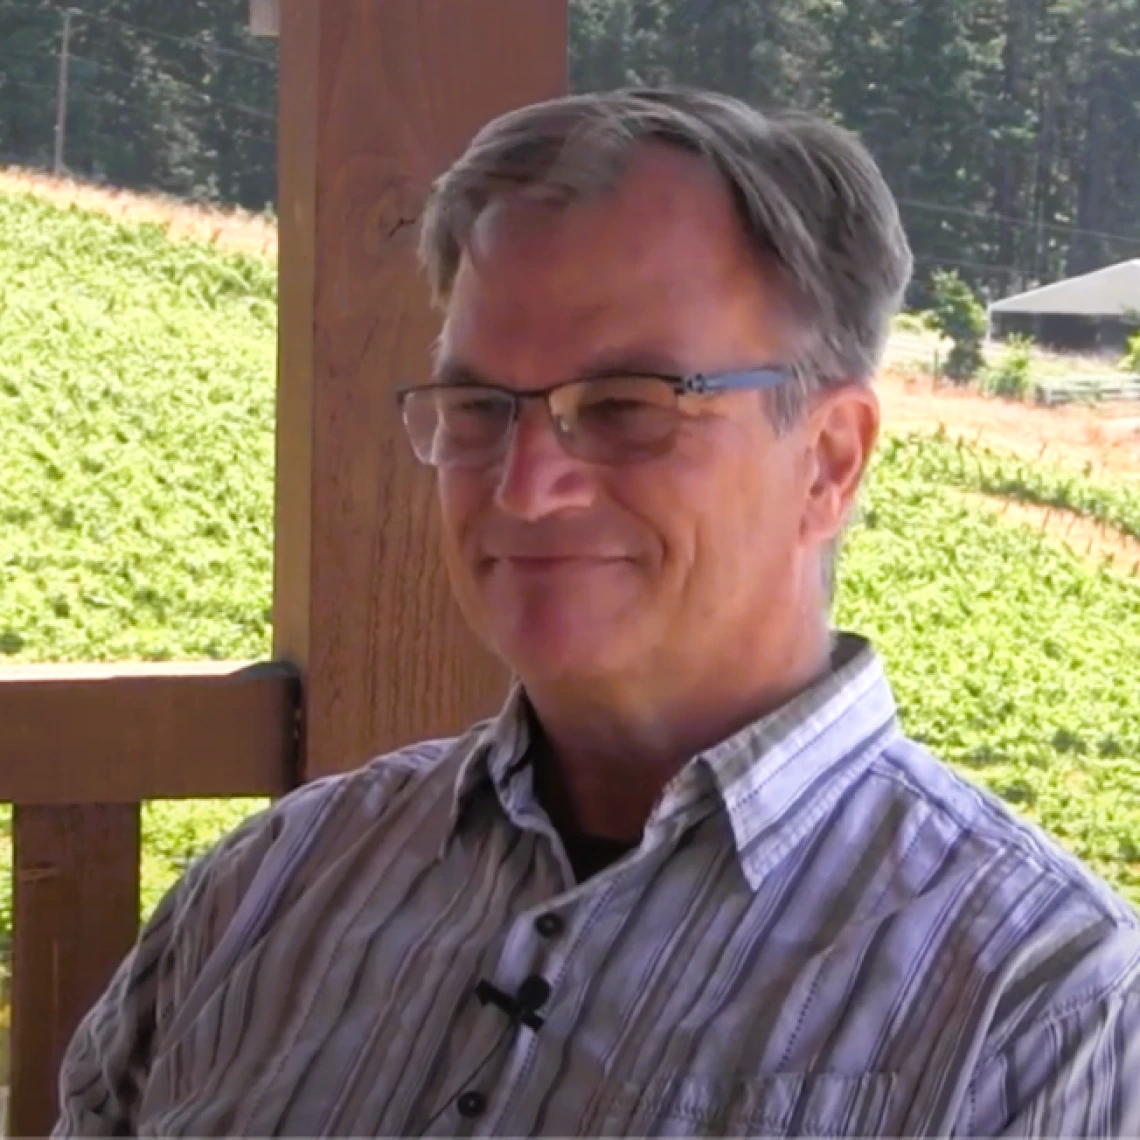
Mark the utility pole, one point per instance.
(61, 95)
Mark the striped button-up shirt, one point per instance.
(823, 931)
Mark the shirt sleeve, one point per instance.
(1074, 1073)
(205, 923)
(107, 1062)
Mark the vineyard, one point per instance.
(136, 478)
(1012, 657)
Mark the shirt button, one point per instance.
(471, 1103)
(549, 925)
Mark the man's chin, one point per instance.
(564, 624)
(553, 651)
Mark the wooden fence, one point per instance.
(1089, 389)
(375, 97)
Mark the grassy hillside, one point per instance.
(135, 521)
(136, 476)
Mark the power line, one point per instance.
(104, 98)
(16, 81)
(184, 71)
(204, 49)
(208, 48)
(934, 259)
(187, 40)
(1056, 227)
(45, 54)
(267, 116)
(269, 138)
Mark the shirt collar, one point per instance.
(775, 778)
(784, 773)
(496, 751)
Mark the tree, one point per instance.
(959, 316)
(1009, 129)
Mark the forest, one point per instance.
(1008, 129)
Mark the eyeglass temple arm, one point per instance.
(736, 381)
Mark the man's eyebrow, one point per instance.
(633, 361)
(623, 362)
(452, 371)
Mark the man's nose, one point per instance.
(538, 477)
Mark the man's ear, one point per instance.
(841, 433)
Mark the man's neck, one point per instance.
(605, 754)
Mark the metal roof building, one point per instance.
(1095, 311)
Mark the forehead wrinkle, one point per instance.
(545, 289)
(668, 204)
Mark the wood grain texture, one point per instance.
(75, 917)
(107, 734)
(378, 97)
(296, 238)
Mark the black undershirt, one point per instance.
(590, 855)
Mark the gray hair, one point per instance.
(812, 202)
(811, 199)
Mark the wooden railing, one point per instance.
(1089, 389)
(81, 748)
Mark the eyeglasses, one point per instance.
(609, 419)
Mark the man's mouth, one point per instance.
(540, 563)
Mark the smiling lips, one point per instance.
(534, 564)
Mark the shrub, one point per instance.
(1010, 376)
(959, 316)
(1131, 361)
(911, 323)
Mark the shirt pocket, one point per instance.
(784, 1104)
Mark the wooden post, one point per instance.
(75, 914)
(377, 97)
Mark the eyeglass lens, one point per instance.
(616, 419)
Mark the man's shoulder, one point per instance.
(281, 843)
(987, 832)
(1044, 935)
(370, 789)
(372, 785)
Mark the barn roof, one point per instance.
(1110, 292)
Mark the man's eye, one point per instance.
(614, 406)
(476, 405)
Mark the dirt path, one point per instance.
(1081, 534)
(228, 228)
(1106, 437)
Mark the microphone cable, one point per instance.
(475, 1073)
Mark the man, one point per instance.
(693, 879)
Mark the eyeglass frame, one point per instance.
(692, 384)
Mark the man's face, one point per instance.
(574, 572)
